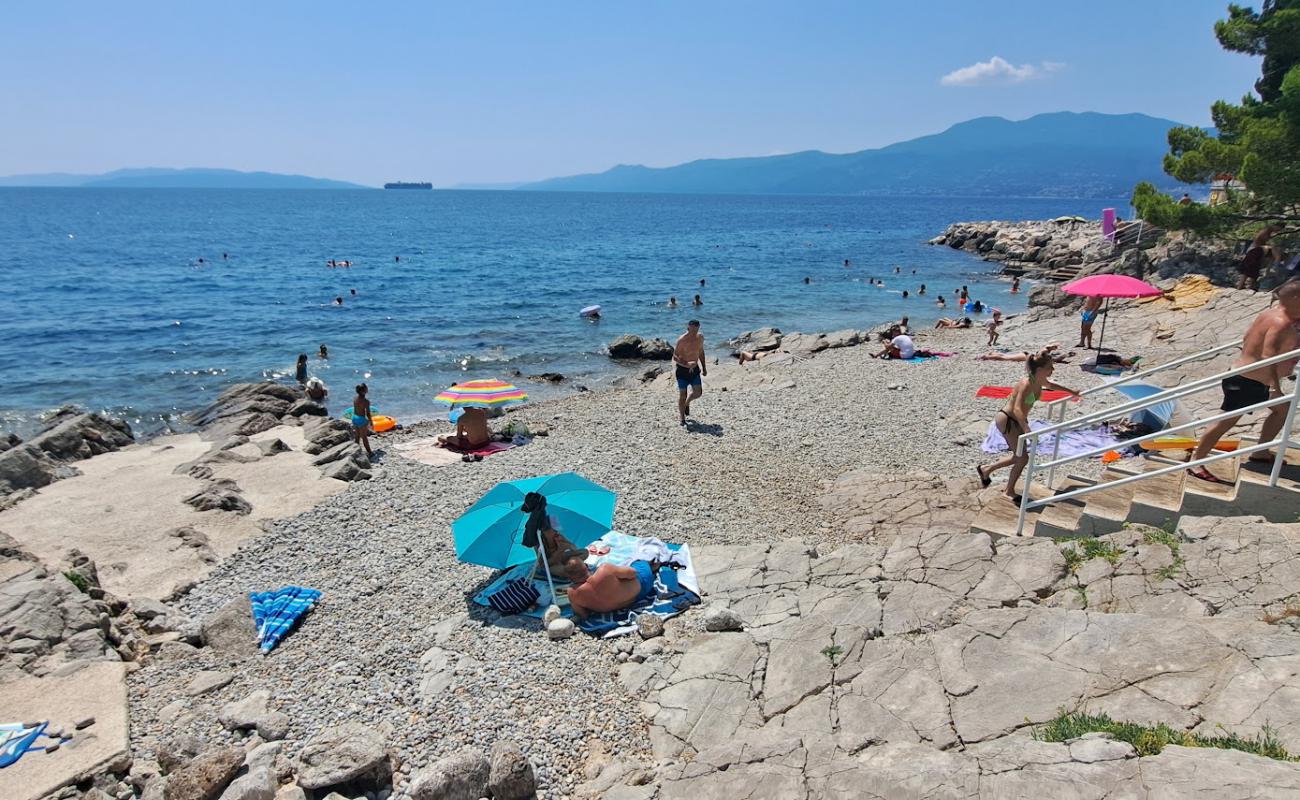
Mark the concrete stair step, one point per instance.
(1062, 518)
(1113, 503)
(999, 515)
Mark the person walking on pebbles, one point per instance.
(361, 418)
(1013, 420)
(688, 359)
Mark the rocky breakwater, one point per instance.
(67, 436)
(1068, 248)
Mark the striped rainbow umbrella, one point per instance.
(482, 394)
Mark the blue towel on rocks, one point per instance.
(275, 613)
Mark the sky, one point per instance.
(509, 91)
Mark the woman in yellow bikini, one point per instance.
(1013, 420)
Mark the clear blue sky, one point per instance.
(505, 91)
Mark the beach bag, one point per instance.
(515, 597)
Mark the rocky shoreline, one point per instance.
(826, 496)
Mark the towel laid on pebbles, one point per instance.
(1072, 442)
(275, 613)
(675, 590)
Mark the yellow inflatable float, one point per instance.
(378, 422)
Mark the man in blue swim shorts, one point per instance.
(688, 359)
(610, 587)
(1088, 316)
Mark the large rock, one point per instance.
(721, 618)
(229, 630)
(221, 495)
(258, 783)
(26, 467)
(510, 776)
(625, 346)
(340, 754)
(206, 776)
(75, 436)
(463, 776)
(757, 341)
(656, 350)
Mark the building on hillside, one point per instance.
(1223, 185)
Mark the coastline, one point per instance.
(814, 451)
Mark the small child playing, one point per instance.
(993, 326)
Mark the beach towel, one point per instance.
(275, 613)
(17, 739)
(1072, 442)
(486, 450)
(675, 591)
(1003, 392)
(1191, 291)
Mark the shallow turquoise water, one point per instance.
(106, 305)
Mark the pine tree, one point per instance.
(1257, 141)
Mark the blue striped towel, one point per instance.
(275, 613)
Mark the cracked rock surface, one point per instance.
(920, 669)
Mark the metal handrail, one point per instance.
(1030, 439)
(1160, 397)
(1153, 370)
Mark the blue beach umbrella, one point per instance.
(490, 533)
(1158, 415)
(275, 613)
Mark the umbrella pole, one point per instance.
(1101, 338)
(546, 565)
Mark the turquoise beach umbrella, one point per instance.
(491, 532)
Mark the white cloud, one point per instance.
(998, 70)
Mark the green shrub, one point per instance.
(1149, 740)
(78, 580)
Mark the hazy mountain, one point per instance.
(1063, 154)
(193, 178)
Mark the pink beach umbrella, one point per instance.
(1108, 286)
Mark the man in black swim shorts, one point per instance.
(1272, 333)
(688, 358)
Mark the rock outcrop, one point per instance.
(69, 435)
(630, 346)
(248, 408)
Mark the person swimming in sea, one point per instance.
(354, 292)
(807, 280)
(921, 291)
(338, 301)
(672, 302)
(941, 303)
(300, 373)
(701, 282)
(697, 301)
(324, 352)
(904, 294)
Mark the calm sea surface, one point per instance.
(105, 303)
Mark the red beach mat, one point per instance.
(1003, 392)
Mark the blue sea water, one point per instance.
(105, 304)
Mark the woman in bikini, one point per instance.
(1013, 420)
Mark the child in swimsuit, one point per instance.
(1087, 317)
(1013, 420)
(361, 418)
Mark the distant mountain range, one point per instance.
(1063, 154)
(194, 178)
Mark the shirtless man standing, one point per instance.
(1273, 332)
(688, 358)
(610, 588)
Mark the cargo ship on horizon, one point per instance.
(406, 185)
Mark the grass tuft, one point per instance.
(1077, 551)
(77, 580)
(1149, 740)
(832, 653)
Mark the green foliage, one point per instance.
(77, 580)
(1149, 740)
(1161, 536)
(833, 653)
(1077, 551)
(1257, 140)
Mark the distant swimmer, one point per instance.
(331, 264)
(672, 302)
(701, 281)
(807, 281)
(225, 257)
(300, 374)
(922, 290)
(324, 352)
(904, 294)
(338, 301)
(897, 270)
(1015, 284)
(200, 260)
(397, 259)
(354, 292)
(697, 301)
(940, 302)
(846, 263)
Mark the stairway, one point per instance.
(1065, 273)
(1155, 501)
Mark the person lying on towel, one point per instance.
(558, 550)
(610, 587)
(471, 431)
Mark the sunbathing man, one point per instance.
(610, 587)
(1272, 333)
(1059, 358)
(471, 431)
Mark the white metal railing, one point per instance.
(1028, 441)
(1056, 408)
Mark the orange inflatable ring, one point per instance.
(380, 423)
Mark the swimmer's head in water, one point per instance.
(302, 358)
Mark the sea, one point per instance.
(145, 303)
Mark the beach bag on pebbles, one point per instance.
(515, 597)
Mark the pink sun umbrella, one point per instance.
(1108, 286)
